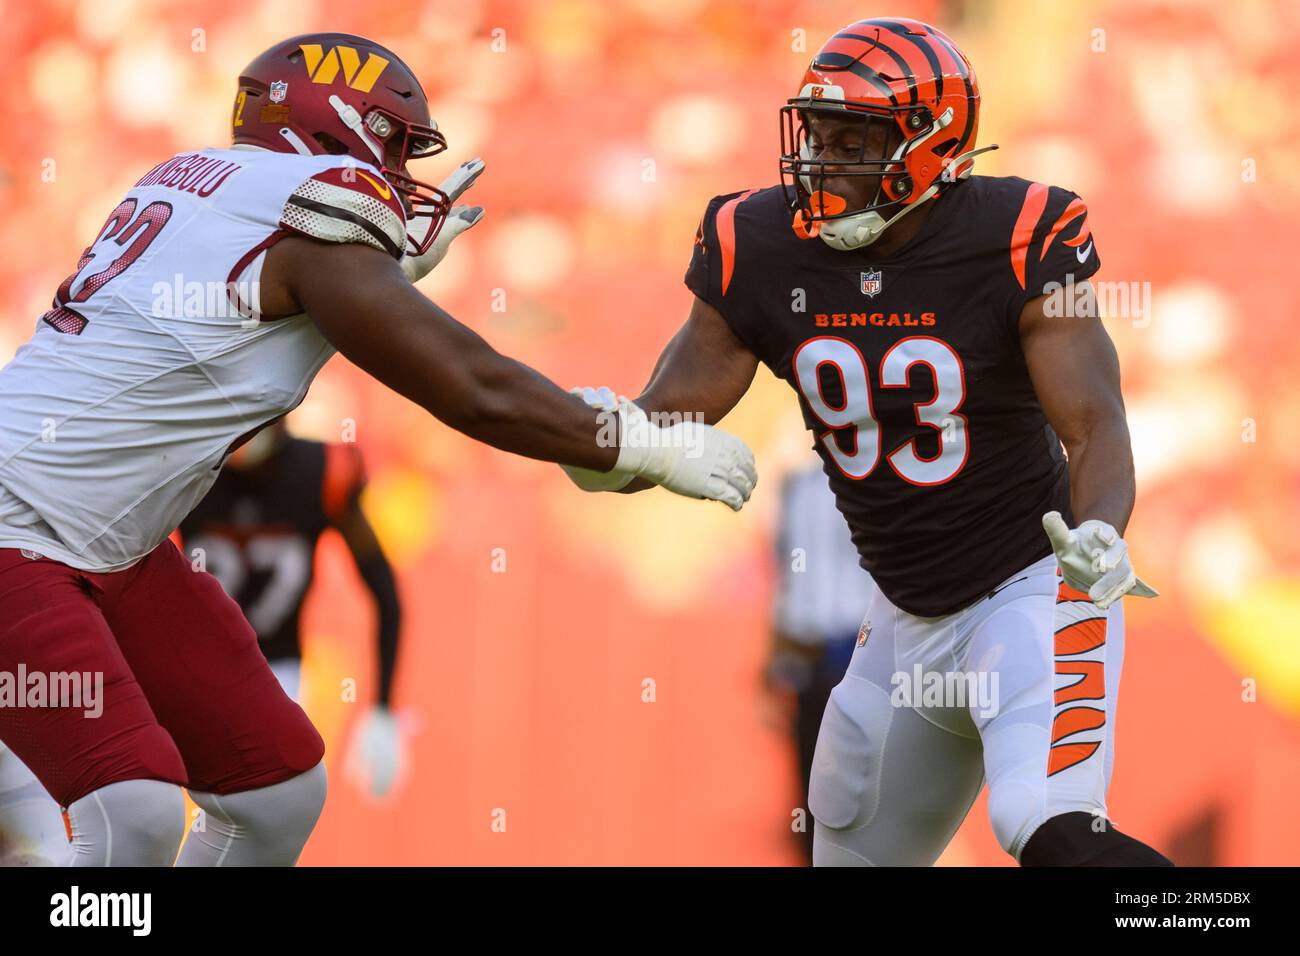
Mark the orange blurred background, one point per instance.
(535, 615)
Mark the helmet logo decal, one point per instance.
(323, 66)
(279, 89)
(822, 91)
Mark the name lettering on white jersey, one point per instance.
(117, 414)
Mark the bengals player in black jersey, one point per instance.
(258, 528)
(975, 441)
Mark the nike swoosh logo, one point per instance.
(385, 193)
(1081, 254)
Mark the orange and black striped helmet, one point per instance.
(901, 72)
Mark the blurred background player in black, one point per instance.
(822, 594)
(257, 532)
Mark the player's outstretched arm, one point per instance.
(364, 305)
(704, 370)
(1075, 371)
(368, 310)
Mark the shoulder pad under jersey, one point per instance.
(348, 204)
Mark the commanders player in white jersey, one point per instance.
(907, 304)
(117, 414)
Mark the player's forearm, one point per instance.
(516, 409)
(506, 404)
(702, 373)
(456, 376)
(1102, 483)
(675, 392)
(364, 305)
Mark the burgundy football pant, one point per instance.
(188, 697)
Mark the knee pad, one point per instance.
(128, 823)
(1014, 808)
(844, 788)
(267, 826)
(1069, 839)
(32, 831)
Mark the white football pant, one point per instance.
(1019, 689)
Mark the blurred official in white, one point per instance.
(821, 600)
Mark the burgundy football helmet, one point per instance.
(343, 94)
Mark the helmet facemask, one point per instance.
(395, 141)
(880, 161)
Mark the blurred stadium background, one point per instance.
(606, 127)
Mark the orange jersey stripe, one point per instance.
(1026, 222)
(1072, 212)
(726, 225)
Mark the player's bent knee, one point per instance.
(831, 848)
(128, 823)
(292, 803)
(267, 826)
(844, 788)
(1080, 839)
(1015, 810)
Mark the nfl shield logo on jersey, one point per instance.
(278, 90)
(872, 282)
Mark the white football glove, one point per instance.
(1094, 559)
(377, 753)
(602, 399)
(688, 458)
(459, 219)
